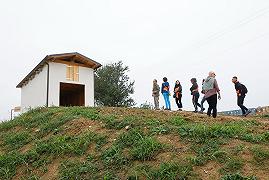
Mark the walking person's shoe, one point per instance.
(247, 113)
(202, 111)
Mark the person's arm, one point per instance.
(217, 89)
(238, 88)
(192, 88)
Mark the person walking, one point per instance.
(241, 92)
(156, 94)
(212, 93)
(195, 94)
(166, 93)
(178, 95)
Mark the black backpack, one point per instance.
(244, 89)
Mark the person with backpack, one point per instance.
(195, 94)
(241, 91)
(178, 95)
(166, 93)
(212, 93)
(156, 94)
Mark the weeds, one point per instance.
(8, 164)
(234, 165)
(60, 145)
(169, 171)
(260, 155)
(145, 149)
(237, 177)
(16, 140)
(113, 157)
(78, 170)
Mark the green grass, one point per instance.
(177, 121)
(114, 158)
(167, 171)
(127, 152)
(237, 150)
(78, 170)
(221, 156)
(260, 155)
(145, 149)
(199, 132)
(16, 140)
(76, 145)
(205, 152)
(237, 177)
(234, 165)
(113, 122)
(8, 164)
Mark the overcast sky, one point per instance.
(179, 39)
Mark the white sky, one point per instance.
(179, 39)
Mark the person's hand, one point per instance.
(239, 95)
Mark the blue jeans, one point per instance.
(167, 101)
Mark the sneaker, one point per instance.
(195, 111)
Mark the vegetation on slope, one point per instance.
(127, 143)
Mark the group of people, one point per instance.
(210, 90)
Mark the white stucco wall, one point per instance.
(58, 74)
(34, 93)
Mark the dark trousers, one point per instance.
(178, 101)
(212, 102)
(240, 103)
(195, 98)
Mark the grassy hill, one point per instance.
(119, 143)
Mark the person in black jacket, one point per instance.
(178, 95)
(241, 94)
(195, 94)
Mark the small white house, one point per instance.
(59, 80)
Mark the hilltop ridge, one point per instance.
(130, 143)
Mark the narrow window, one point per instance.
(72, 73)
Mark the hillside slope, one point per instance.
(121, 143)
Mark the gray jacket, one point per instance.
(156, 90)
